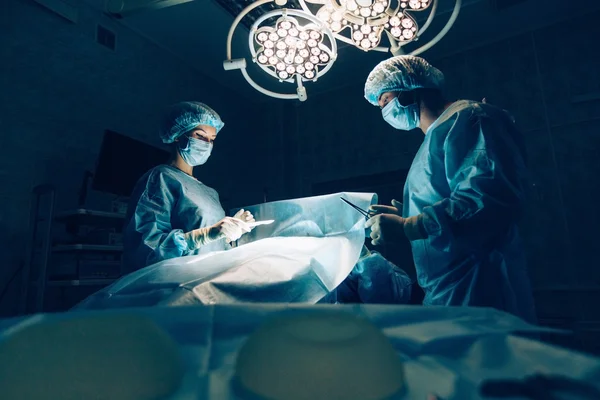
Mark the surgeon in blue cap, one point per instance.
(463, 195)
(172, 214)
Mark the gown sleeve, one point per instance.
(484, 167)
(152, 220)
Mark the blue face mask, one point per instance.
(195, 152)
(401, 117)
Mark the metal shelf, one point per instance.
(90, 217)
(63, 248)
(41, 247)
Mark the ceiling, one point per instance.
(196, 32)
(234, 7)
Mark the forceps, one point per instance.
(366, 214)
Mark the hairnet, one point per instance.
(182, 117)
(401, 74)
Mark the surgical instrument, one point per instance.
(366, 214)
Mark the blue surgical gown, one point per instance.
(374, 280)
(165, 204)
(468, 182)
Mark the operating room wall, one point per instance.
(543, 78)
(61, 90)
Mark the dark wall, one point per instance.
(540, 77)
(60, 90)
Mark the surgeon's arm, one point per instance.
(483, 167)
(153, 221)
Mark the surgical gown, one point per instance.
(467, 181)
(165, 204)
(375, 280)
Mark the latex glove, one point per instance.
(232, 228)
(388, 226)
(395, 208)
(383, 224)
(229, 228)
(245, 216)
(385, 228)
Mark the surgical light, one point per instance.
(288, 50)
(296, 48)
(363, 22)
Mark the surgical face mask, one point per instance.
(195, 152)
(401, 117)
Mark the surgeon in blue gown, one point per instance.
(172, 214)
(373, 280)
(464, 193)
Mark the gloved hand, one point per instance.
(388, 226)
(395, 208)
(245, 216)
(385, 228)
(232, 228)
(229, 228)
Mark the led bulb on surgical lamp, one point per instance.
(301, 46)
(299, 50)
(296, 48)
(362, 22)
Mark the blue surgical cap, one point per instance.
(185, 116)
(401, 74)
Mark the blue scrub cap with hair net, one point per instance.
(183, 117)
(402, 74)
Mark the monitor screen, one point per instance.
(122, 161)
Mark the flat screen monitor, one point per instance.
(122, 161)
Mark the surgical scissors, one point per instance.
(366, 214)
